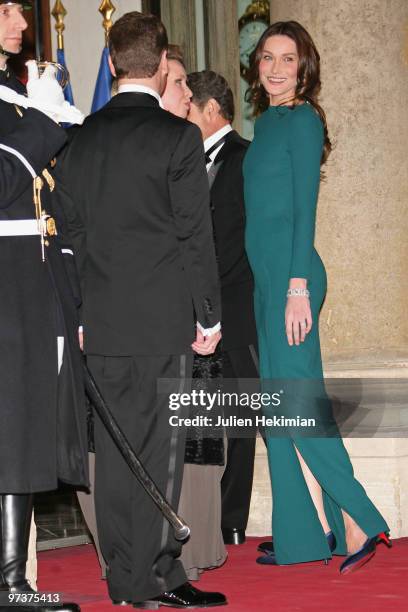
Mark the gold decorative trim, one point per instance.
(107, 9)
(59, 12)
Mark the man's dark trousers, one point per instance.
(130, 386)
(239, 342)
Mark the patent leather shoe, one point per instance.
(364, 554)
(233, 535)
(185, 596)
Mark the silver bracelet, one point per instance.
(298, 292)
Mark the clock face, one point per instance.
(249, 35)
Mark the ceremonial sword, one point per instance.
(181, 529)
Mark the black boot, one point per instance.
(15, 522)
(3, 584)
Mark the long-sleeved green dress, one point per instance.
(281, 178)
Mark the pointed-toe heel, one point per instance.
(267, 560)
(364, 554)
(383, 537)
(332, 542)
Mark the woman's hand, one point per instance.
(298, 315)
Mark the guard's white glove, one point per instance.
(46, 95)
(44, 89)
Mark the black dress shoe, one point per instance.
(232, 535)
(185, 596)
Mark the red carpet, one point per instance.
(381, 585)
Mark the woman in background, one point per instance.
(319, 508)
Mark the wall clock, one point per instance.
(252, 25)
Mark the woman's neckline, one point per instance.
(287, 107)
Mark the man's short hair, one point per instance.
(208, 84)
(136, 44)
(174, 52)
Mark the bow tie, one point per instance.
(215, 146)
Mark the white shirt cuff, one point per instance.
(210, 331)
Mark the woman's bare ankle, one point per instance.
(355, 536)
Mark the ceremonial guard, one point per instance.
(42, 415)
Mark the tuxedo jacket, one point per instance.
(138, 180)
(228, 209)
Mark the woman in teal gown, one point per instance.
(315, 494)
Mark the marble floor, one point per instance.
(59, 520)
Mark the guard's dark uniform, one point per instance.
(42, 415)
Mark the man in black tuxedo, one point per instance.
(149, 273)
(212, 109)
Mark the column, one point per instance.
(223, 45)
(179, 18)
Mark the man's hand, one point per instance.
(206, 345)
(81, 338)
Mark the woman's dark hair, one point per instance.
(308, 78)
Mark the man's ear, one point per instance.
(111, 66)
(164, 64)
(212, 108)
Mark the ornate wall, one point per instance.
(362, 222)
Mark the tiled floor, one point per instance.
(59, 520)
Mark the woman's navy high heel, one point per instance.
(331, 541)
(268, 549)
(364, 554)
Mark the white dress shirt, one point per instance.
(133, 87)
(208, 143)
(211, 140)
